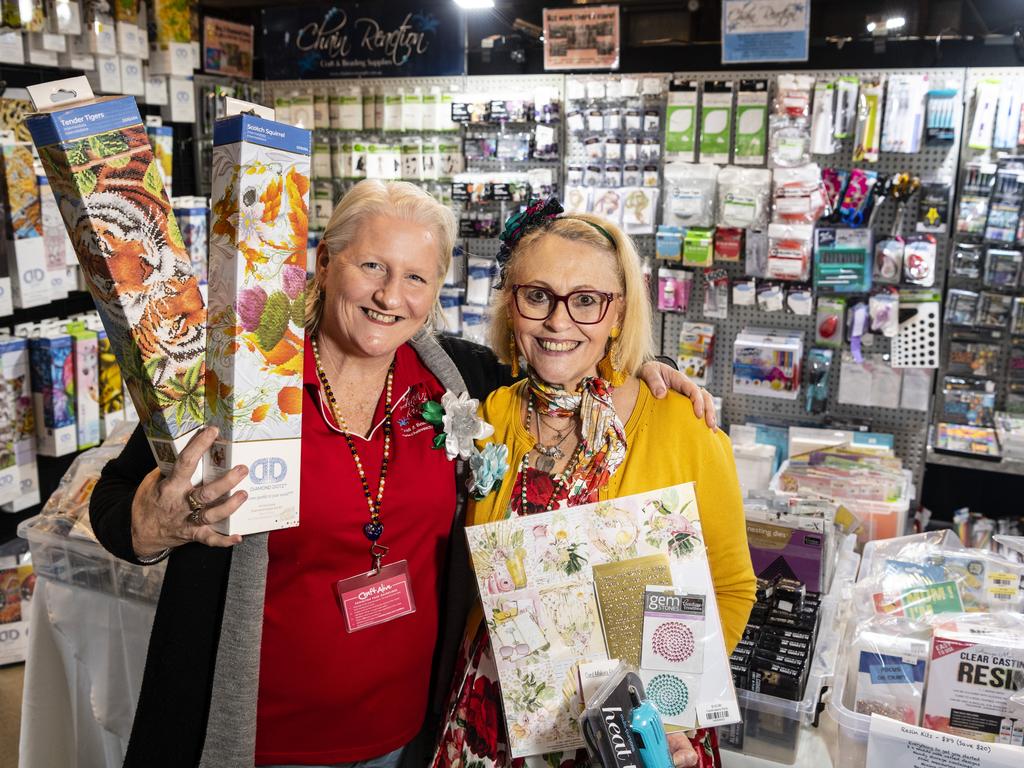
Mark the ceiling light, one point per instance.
(895, 22)
(474, 5)
(872, 26)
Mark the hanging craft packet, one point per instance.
(571, 586)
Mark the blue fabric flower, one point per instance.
(488, 467)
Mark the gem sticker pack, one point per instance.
(257, 278)
(103, 172)
(567, 587)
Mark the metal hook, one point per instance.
(377, 552)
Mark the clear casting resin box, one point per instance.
(104, 175)
(257, 276)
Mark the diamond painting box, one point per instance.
(53, 377)
(23, 222)
(104, 175)
(257, 277)
(15, 366)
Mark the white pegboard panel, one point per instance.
(910, 428)
(501, 86)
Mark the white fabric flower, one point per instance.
(461, 425)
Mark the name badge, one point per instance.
(374, 598)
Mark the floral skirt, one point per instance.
(474, 729)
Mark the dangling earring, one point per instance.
(513, 353)
(610, 367)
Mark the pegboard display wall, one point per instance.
(910, 427)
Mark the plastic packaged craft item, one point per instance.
(828, 325)
(834, 181)
(919, 261)
(789, 141)
(716, 293)
(842, 260)
(933, 207)
(728, 244)
(822, 118)
(975, 195)
(674, 287)
(903, 125)
(883, 309)
(750, 142)
(1003, 268)
(755, 252)
(789, 251)
(846, 107)
(941, 118)
(966, 260)
(716, 121)
(669, 243)
(793, 95)
(798, 195)
(770, 297)
(743, 197)
(819, 363)
(767, 363)
(888, 260)
(100, 165)
(869, 122)
(977, 663)
(698, 247)
(1004, 210)
(986, 100)
(856, 206)
(888, 663)
(696, 351)
(690, 194)
(608, 724)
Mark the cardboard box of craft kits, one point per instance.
(53, 383)
(23, 222)
(87, 397)
(17, 584)
(15, 365)
(111, 390)
(977, 664)
(103, 172)
(9, 475)
(192, 214)
(55, 242)
(257, 275)
(162, 139)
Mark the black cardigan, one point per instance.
(170, 720)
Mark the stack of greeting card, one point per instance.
(626, 578)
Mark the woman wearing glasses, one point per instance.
(581, 427)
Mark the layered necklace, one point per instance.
(374, 528)
(548, 455)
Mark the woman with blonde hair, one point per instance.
(252, 660)
(581, 427)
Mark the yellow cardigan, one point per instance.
(666, 445)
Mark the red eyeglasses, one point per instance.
(587, 307)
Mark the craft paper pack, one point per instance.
(257, 314)
(102, 170)
(550, 583)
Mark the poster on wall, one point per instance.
(581, 38)
(400, 38)
(227, 48)
(765, 30)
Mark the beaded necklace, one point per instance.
(375, 528)
(561, 480)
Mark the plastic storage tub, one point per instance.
(771, 727)
(84, 563)
(852, 727)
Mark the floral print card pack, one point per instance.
(536, 576)
(104, 175)
(257, 278)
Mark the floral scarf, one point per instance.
(603, 445)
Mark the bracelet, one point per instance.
(153, 559)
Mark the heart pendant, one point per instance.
(373, 531)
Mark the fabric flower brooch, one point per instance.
(458, 428)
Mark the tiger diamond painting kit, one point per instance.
(257, 277)
(104, 175)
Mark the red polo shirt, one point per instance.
(326, 695)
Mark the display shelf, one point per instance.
(1005, 466)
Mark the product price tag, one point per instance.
(374, 598)
(898, 745)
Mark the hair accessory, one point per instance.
(518, 224)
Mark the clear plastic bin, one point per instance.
(86, 564)
(771, 727)
(852, 727)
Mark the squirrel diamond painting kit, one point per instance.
(103, 173)
(257, 279)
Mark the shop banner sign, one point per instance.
(227, 48)
(765, 30)
(581, 38)
(400, 38)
